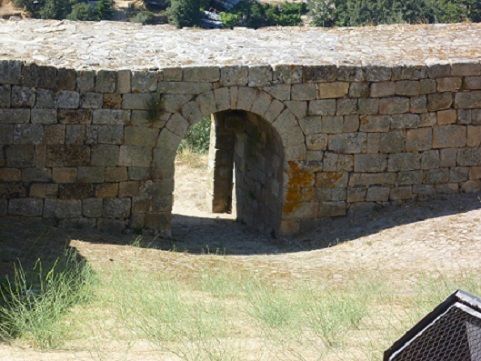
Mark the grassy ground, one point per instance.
(216, 310)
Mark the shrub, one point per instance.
(83, 11)
(143, 17)
(184, 13)
(197, 138)
(364, 12)
(105, 9)
(55, 9)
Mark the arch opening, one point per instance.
(241, 177)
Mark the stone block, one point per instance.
(355, 195)
(20, 155)
(106, 81)
(440, 101)
(66, 79)
(368, 106)
(10, 72)
(373, 142)
(22, 97)
(448, 116)
(124, 81)
(140, 101)
(418, 104)
(401, 193)
(67, 99)
(333, 162)
(5, 95)
(449, 136)
(82, 116)
(85, 81)
(382, 89)
(419, 139)
(260, 76)
(129, 189)
(43, 190)
(332, 209)
(62, 208)
(115, 174)
(377, 73)
(278, 91)
(464, 116)
(92, 207)
(472, 82)
(448, 157)
(451, 84)
(475, 173)
(6, 133)
(316, 141)
(377, 194)
(144, 81)
(75, 134)
(45, 99)
(438, 70)
(336, 194)
(427, 86)
(322, 107)
(404, 161)
(134, 155)
(474, 136)
(64, 175)
(91, 100)
(112, 101)
(90, 174)
(407, 88)
(347, 143)
(36, 175)
(469, 157)
(111, 116)
(346, 106)
(458, 174)
(44, 116)
(199, 74)
(430, 159)
(471, 186)
(222, 100)
(370, 163)
(333, 90)
(10, 175)
(468, 100)
(393, 105)
(287, 74)
(428, 119)
(359, 90)
(234, 75)
(71, 155)
(298, 108)
(179, 87)
(476, 116)
(54, 134)
(303, 92)
(409, 72)
(75, 191)
(375, 123)
(403, 121)
(146, 137)
(105, 134)
(436, 176)
(14, 116)
(322, 73)
(466, 69)
(332, 180)
(118, 208)
(29, 207)
(410, 177)
(107, 190)
(105, 155)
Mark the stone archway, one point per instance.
(271, 118)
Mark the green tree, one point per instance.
(55, 9)
(106, 9)
(84, 11)
(184, 13)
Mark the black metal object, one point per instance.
(451, 332)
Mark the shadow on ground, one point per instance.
(26, 241)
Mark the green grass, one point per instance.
(34, 302)
(215, 310)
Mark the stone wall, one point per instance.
(98, 147)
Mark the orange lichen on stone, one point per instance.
(328, 179)
(298, 179)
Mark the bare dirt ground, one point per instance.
(441, 236)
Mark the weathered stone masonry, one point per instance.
(97, 147)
